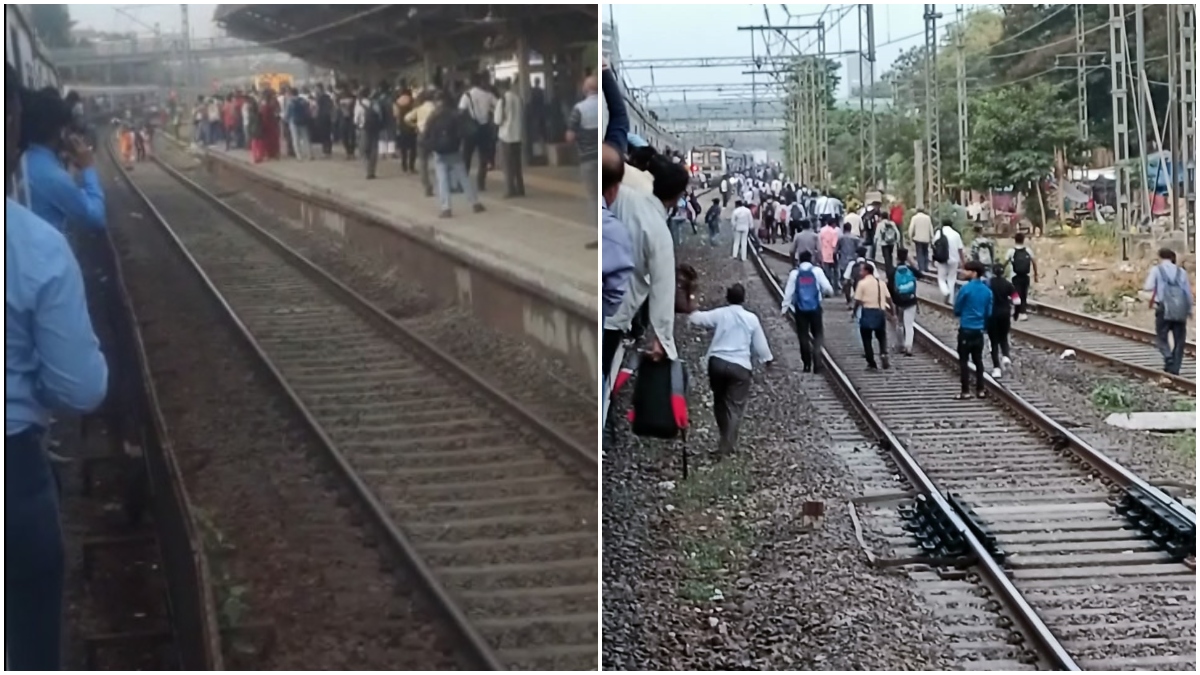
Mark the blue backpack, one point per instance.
(807, 297)
(906, 283)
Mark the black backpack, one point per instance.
(373, 119)
(443, 132)
(660, 386)
(941, 248)
(1021, 261)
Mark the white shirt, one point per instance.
(510, 127)
(789, 288)
(479, 103)
(776, 186)
(738, 336)
(724, 185)
(748, 196)
(742, 219)
(955, 241)
(855, 221)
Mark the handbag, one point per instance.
(659, 399)
(872, 318)
(686, 279)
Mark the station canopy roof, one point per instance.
(347, 37)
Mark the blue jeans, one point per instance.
(450, 167)
(33, 556)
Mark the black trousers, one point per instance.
(1172, 351)
(810, 328)
(609, 342)
(880, 335)
(970, 348)
(479, 145)
(514, 173)
(998, 327)
(406, 144)
(1021, 283)
(889, 258)
(731, 389)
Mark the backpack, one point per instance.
(443, 134)
(1021, 261)
(906, 284)
(300, 112)
(797, 212)
(1174, 300)
(855, 273)
(659, 399)
(373, 118)
(889, 235)
(941, 248)
(990, 248)
(807, 296)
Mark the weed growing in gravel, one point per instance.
(1183, 405)
(1185, 443)
(230, 596)
(1114, 396)
(713, 535)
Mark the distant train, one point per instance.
(24, 52)
(715, 160)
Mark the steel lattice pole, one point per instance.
(1118, 64)
(933, 145)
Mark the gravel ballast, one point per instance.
(720, 571)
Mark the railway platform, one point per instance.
(524, 265)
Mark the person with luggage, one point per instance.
(1000, 322)
(983, 249)
(738, 339)
(972, 306)
(947, 256)
(887, 235)
(848, 247)
(802, 294)
(1020, 259)
(852, 273)
(872, 301)
(1171, 298)
(902, 282)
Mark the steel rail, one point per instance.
(481, 652)
(1175, 382)
(1046, 643)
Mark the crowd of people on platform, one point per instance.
(435, 132)
(52, 359)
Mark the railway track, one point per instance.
(1093, 565)
(1100, 341)
(492, 509)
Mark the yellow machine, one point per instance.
(273, 81)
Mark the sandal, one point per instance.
(981, 394)
(962, 397)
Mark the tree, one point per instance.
(1017, 129)
(53, 24)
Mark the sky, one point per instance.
(671, 31)
(106, 18)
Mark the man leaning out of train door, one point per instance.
(52, 360)
(49, 189)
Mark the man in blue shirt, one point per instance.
(52, 360)
(973, 306)
(49, 189)
(1171, 298)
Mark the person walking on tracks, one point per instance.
(947, 256)
(920, 233)
(1021, 259)
(52, 360)
(972, 306)
(802, 294)
(742, 220)
(999, 324)
(712, 218)
(872, 300)
(738, 338)
(1173, 305)
(902, 282)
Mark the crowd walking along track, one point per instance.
(1093, 563)
(1093, 339)
(490, 507)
